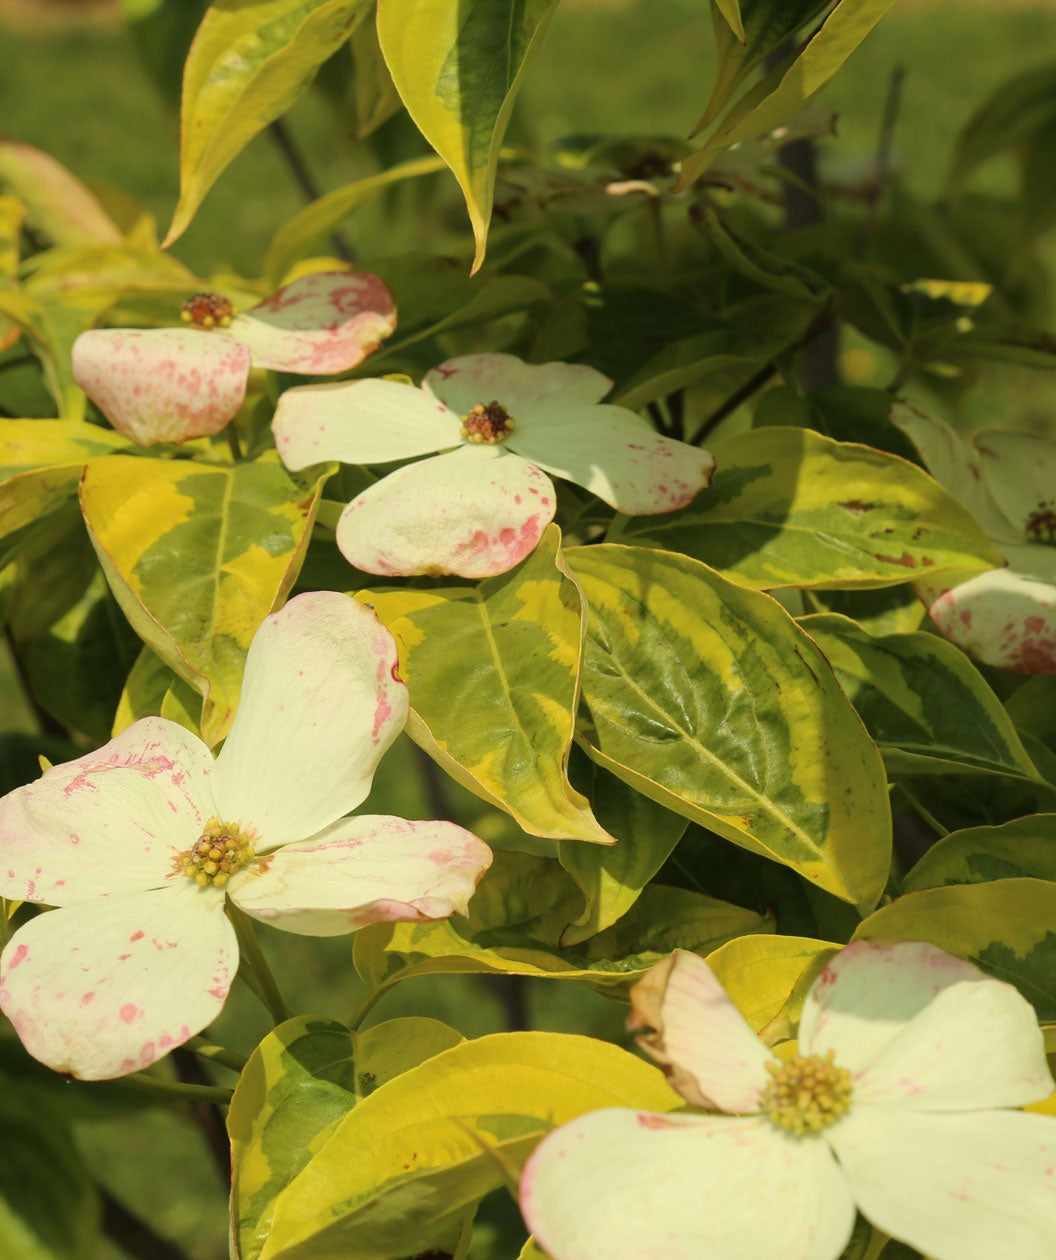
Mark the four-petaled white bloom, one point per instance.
(896, 1104)
(1005, 617)
(481, 507)
(141, 843)
(174, 384)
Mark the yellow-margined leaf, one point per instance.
(247, 65)
(404, 1166)
(198, 555)
(493, 677)
(708, 698)
(457, 65)
(299, 1084)
(788, 507)
(1004, 926)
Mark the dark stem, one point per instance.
(884, 145)
(512, 993)
(284, 142)
(819, 364)
(207, 1115)
(132, 1234)
(433, 782)
(739, 395)
(820, 326)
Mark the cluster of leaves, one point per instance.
(698, 725)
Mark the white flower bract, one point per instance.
(928, 1149)
(173, 384)
(481, 506)
(139, 956)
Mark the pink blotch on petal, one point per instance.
(129, 1012)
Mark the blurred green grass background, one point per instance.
(72, 84)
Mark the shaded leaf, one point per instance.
(928, 708)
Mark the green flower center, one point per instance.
(487, 422)
(220, 851)
(806, 1094)
(1041, 524)
(207, 310)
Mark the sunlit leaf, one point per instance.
(404, 1165)
(707, 698)
(299, 1084)
(247, 65)
(198, 555)
(457, 65)
(1005, 927)
(979, 855)
(492, 671)
(788, 507)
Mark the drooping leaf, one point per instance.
(707, 698)
(197, 555)
(299, 1084)
(1006, 927)
(57, 204)
(791, 85)
(516, 926)
(1019, 109)
(928, 708)
(457, 65)
(980, 855)
(247, 65)
(405, 1165)
(744, 35)
(788, 507)
(492, 672)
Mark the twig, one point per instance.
(207, 1115)
(884, 146)
(819, 326)
(132, 1234)
(284, 142)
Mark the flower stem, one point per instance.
(217, 1054)
(254, 968)
(366, 1006)
(232, 440)
(177, 1091)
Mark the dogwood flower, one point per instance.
(141, 843)
(1005, 617)
(173, 384)
(895, 1104)
(481, 506)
